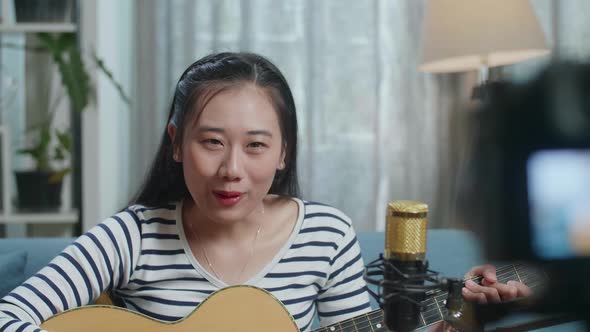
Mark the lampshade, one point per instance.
(461, 35)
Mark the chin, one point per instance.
(225, 214)
(230, 216)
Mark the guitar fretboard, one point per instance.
(434, 309)
(371, 321)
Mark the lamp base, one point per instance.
(482, 92)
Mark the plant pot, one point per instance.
(46, 11)
(36, 192)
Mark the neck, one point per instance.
(217, 230)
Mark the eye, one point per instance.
(257, 145)
(212, 143)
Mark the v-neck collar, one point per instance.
(258, 276)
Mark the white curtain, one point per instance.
(372, 127)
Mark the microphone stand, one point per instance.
(402, 289)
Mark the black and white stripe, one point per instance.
(142, 255)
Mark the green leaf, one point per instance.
(44, 137)
(29, 151)
(100, 63)
(58, 153)
(64, 139)
(59, 175)
(40, 150)
(75, 78)
(65, 53)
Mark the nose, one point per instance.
(231, 168)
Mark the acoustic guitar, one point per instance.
(250, 309)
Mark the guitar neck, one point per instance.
(434, 309)
(371, 321)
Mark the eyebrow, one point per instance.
(260, 132)
(221, 130)
(213, 129)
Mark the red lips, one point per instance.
(227, 198)
(227, 193)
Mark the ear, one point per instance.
(282, 162)
(176, 151)
(171, 131)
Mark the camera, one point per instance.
(526, 191)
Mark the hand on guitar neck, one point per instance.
(490, 290)
(482, 286)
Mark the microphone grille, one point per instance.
(405, 231)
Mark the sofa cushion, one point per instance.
(40, 250)
(12, 265)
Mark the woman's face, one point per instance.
(231, 153)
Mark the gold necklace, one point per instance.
(202, 247)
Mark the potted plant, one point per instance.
(40, 189)
(36, 11)
(51, 148)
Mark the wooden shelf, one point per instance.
(58, 217)
(37, 27)
(9, 214)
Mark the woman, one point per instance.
(219, 207)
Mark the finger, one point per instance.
(488, 271)
(507, 292)
(487, 283)
(490, 293)
(473, 272)
(474, 297)
(436, 328)
(442, 327)
(522, 289)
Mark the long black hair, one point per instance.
(200, 82)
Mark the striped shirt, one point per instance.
(143, 257)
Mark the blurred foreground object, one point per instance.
(527, 191)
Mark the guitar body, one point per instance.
(236, 308)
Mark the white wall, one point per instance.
(12, 106)
(107, 27)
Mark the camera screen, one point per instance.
(559, 203)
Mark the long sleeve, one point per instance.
(345, 294)
(102, 259)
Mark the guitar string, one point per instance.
(375, 314)
(508, 274)
(502, 274)
(347, 323)
(500, 269)
(431, 310)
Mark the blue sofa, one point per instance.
(451, 252)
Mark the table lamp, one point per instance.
(463, 35)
